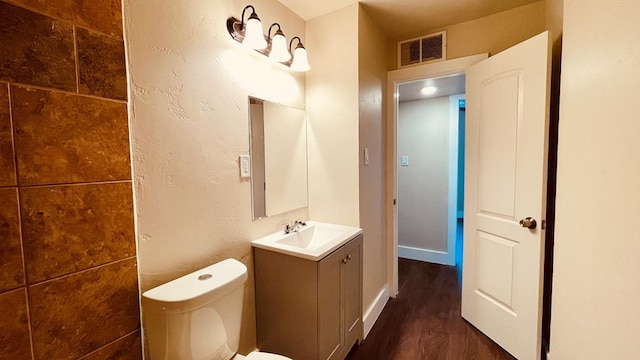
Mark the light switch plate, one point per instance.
(245, 166)
(404, 160)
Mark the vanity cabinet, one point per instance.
(309, 309)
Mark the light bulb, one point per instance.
(429, 90)
(279, 50)
(300, 62)
(253, 35)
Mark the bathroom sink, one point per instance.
(313, 241)
(312, 236)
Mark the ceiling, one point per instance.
(404, 19)
(446, 85)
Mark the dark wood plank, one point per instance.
(424, 322)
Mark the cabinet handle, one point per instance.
(346, 259)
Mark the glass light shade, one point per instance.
(300, 62)
(253, 35)
(279, 50)
(429, 90)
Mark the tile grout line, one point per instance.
(76, 58)
(33, 348)
(67, 92)
(13, 134)
(55, 17)
(83, 271)
(36, 186)
(24, 275)
(24, 262)
(110, 343)
(15, 168)
(101, 33)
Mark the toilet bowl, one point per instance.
(257, 355)
(198, 316)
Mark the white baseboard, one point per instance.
(374, 310)
(431, 256)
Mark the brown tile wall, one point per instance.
(68, 276)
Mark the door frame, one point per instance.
(394, 78)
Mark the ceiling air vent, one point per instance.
(422, 50)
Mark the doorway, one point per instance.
(505, 189)
(430, 182)
(395, 78)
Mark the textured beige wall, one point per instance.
(372, 81)
(596, 294)
(490, 34)
(553, 18)
(332, 110)
(189, 83)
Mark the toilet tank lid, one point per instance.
(213, 281)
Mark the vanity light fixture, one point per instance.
(300, 60)
(250, 34)
(279, 52)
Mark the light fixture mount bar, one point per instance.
(236, 30)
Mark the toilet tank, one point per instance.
(197, 316)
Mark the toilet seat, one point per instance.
(256, 355)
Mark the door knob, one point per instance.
(529, 223)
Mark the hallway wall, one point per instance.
(423, 136)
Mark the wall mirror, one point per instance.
(278, 146)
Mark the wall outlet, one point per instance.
(245, 166)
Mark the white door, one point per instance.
(505, 182)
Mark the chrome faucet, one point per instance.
(294, 226)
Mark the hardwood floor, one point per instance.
(424, 321)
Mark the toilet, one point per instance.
(198, 316)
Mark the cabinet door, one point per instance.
(329, 285)
(352, 290)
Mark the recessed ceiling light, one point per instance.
(429, 90)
